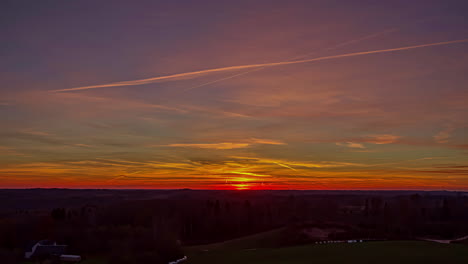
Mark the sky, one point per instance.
(215, 94)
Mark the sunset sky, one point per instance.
(234, 94)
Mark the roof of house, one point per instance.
(44, 247)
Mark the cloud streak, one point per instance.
(383, 139)
(229, 145)
(225, 145)
(444, 135)
(351, 145)
(251, 66)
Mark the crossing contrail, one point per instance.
(251, 66)
(295, 58)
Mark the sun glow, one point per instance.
(242, 186)
(241, 183)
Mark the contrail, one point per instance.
(250, 66)
(296, 57)
(286, 166)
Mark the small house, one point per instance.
(46, 249)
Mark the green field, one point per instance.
(257, 249)
(264, 239)
(391, 252)
(394, 252)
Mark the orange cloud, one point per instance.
(257, 172)
(229, 145)
(266, 141)
(383, 139)
(444, 135)
(351, 145)
(224, 145)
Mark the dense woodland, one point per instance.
(132, 230)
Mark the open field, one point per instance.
(202, 225)
(391, 252)
(370, 252)
(263, 240)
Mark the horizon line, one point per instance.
(191, 189)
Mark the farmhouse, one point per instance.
(46, 249)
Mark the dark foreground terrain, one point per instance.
(371, 252)
(390, 252)
(159, 226)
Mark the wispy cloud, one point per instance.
(300, 174)
(351, 145)
(115, 102)
(225, 145)
(298, 164)
(383, 139)
(250, 66)
(444, 135)
(32, 135)
(10, 151)
(266, 141)
(36, 133)
(82, 145)
(228, 145)
(359, 142)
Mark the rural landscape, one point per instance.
(161, 226)
(233, 131)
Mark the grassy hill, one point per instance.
(370, 252)
(261, 240)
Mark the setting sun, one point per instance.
(242, 186)
(240, 183)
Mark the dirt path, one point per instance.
(445, 241)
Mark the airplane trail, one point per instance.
(250, 66)
(296, 57)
